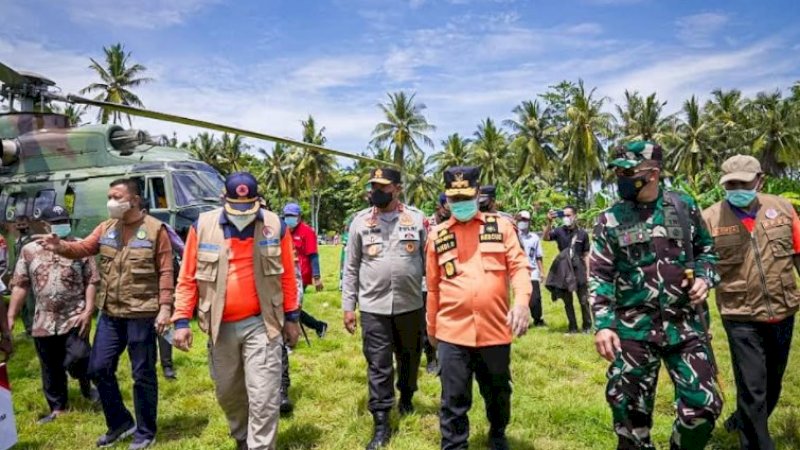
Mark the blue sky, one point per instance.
(267, 64)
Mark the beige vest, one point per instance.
(129, 275)
(212, 270)
(757, 270)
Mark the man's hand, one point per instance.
(318, 284)
(607, 344)
(291, 333)
(85, 323)
(51, 242)
(350, 321)
(182, 339)
(518, 318)
(433, 341)
(163, 319)
(551, 215)
(699, 291)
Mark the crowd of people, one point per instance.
(440, 285)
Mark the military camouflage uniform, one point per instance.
(637, 267)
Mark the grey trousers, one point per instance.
(246, 369)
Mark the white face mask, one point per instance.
(241, 222)
(524, 226)
(568, 221)
(117, 209)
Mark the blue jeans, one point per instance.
(112, 336)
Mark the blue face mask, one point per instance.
(741, 198)
(291, 221)
(464, 210)
(61, 230)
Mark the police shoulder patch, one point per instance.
(450, 269)
(445, 242)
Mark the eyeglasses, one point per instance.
(629, 172)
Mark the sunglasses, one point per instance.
(629, 172)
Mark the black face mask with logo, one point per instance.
(629, 187)
(381, 199)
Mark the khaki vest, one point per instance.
(757, 269)
(129, 276)
(212, 271)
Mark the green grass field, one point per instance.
(558, 399)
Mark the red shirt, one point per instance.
(305, 243)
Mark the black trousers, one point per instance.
(569, 307)
(760, 352)
(430, 352)
(164, 352)
(536, 303)
(491, 368)
(59, 355)
(386, 336)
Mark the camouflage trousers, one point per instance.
(631, 391)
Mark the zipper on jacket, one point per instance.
(754, 243)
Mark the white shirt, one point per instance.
(531, 245)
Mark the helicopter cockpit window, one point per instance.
(44, 198)
(156, 193)
(17, 205)
(192, 188)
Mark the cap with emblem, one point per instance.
(385, 175)
(291, 209)
(634, 153)
(461, 181)
(524, 215)
(55, 213)
(241, 194)
(740, 168)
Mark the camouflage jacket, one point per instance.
(637, 266)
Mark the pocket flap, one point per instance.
(208, 257)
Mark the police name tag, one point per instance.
(208, 247)
(445, 242)
(140, 243)
(491, 237)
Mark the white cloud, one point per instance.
(699, 30)
(147, 14)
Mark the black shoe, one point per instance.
(88, 391)
(571, 332)
(241, 445)
(539, 323)
(587, 330)
(382, 432)
(432, 367)
(48, 418)
(112, 437)
(142, 443)
(169, 373)
(323, 330)
(406, 406)
(286, 404)
(498, 441)
(732, 423)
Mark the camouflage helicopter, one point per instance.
(45, 161)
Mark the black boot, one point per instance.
(497, 440)
(286, 403)
(382, 433)
(405, 406)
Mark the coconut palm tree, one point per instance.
(532, 137)
(404, 129)
(455, 152)
(490, 152)
(276, 173)
(314, 167)
(418, 186)
(642, 118)
(691, 142)
(775, 131)
(725, 110)
(587, 125)
(118, 76)
(231, 148)
(205, 147)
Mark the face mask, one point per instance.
(464, 210)
(117, 209)
(291, 221)
(741, 198)
(484, 206)
(241, 222)
(61, 230)
(629, 187)
(524, 226)
(568, 221)
(381, 199)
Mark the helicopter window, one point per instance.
(193, 188)
(17, 205)
(156, 193)
(44, 198)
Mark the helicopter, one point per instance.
(45, 161)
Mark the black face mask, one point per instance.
(629, 187)
(485, 206)
(381, 199)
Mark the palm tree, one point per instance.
(490, 152)
(775, 132)
(532, 138)
(455, 152)
(118, 76)
(205, 147)
(418, 186)
(587, 123)
(691, 141)
(231, 148)
(725, 110)
(642, 118)
(404, 127)
(276, 175)
(314, 167)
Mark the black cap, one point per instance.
(241, 194)
(461, 181)
(385, 175)
(55, 213)
(489, 190)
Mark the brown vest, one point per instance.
(212, 271)
(128, 274)
(757, 269)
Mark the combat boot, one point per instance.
(286, 404)
(382, 433)
(406, 406)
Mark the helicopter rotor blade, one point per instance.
(10, 76)
(219, 127)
